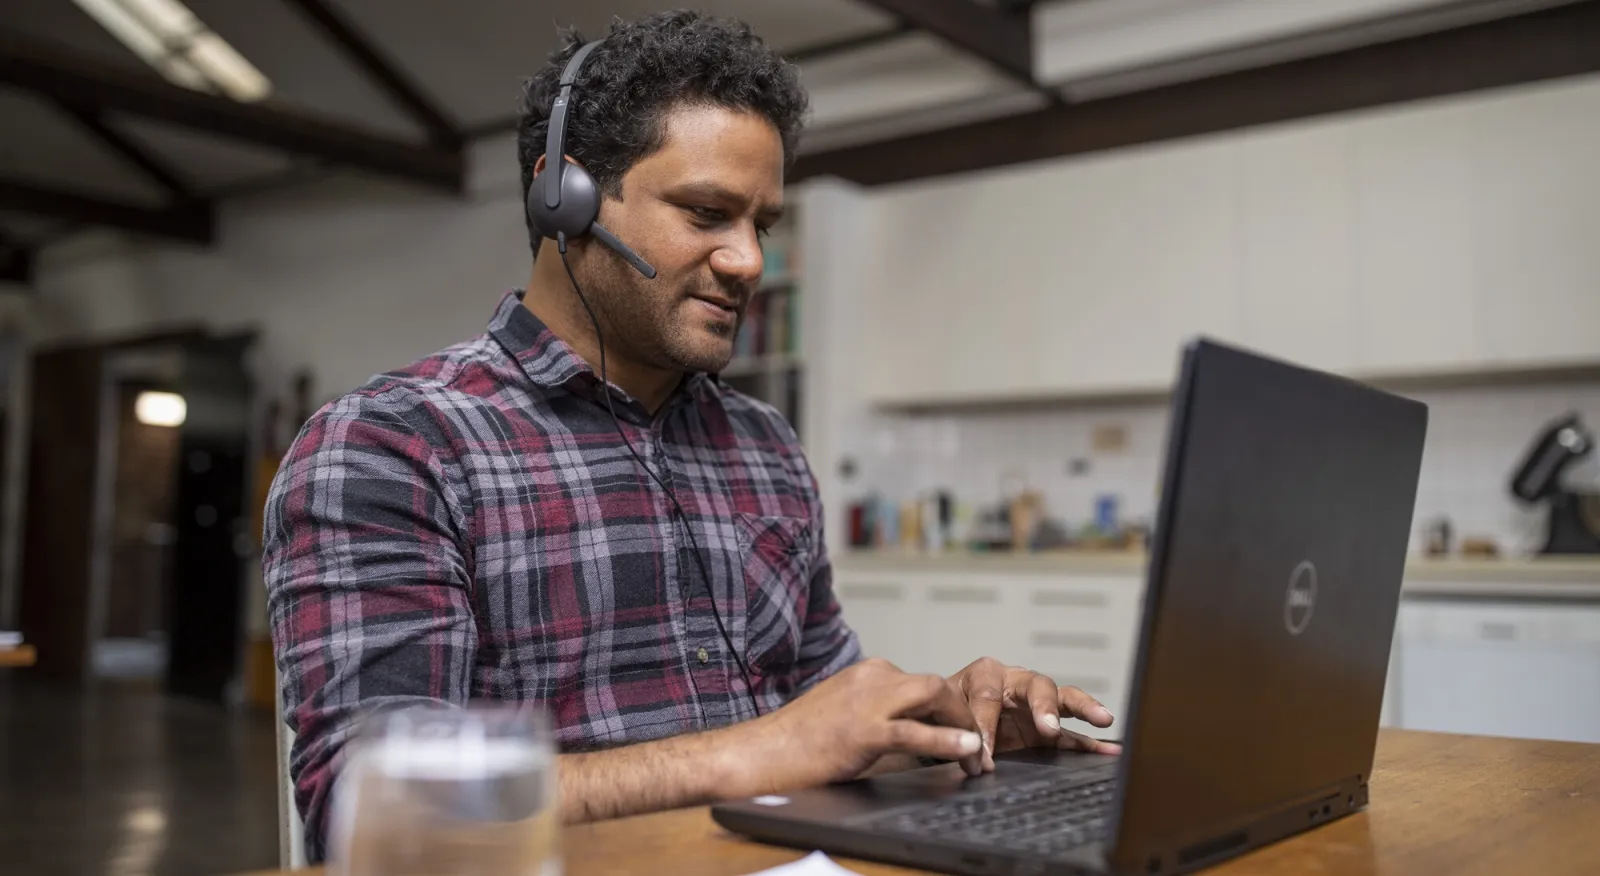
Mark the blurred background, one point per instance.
(1006, 218)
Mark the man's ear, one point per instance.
(538, 164)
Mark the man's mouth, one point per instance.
(725, 306)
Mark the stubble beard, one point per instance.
(644, 321)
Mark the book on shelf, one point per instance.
(771, 325)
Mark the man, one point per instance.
(477, 526)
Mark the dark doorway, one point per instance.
(211, 522)
(135, 503)
(136, 523)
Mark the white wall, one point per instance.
(1476, 438)
(348, 277)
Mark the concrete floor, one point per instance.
(118, 779)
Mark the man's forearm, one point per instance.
(648, 777)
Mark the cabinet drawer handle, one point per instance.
(964, 594)
(1088, 641)
(1067, 597)
(1498, 631)
(871, 591)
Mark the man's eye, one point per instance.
(707, 214)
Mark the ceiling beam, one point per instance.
(83, 81)
(1000, 36)
(384, 71)
(16, 261)
(806, 54)
(1546, 44)
(192, 222)
(157, 170)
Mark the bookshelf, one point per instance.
(768, 362)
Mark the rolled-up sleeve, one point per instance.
(368, 589)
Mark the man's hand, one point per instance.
(1019, 708)
(845, 724)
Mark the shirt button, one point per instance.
(703, 655)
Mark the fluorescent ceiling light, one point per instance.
(160, 409)
(168, 18)
(227, 68)
(142, 40)
(168, 37)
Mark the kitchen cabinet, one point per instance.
(1441, 237)
(1140, 258)
(1536, 212)
(943, 325)
(1469, 656)
(879, 608)
(1083, 631)
(1500, 668)
(961, 618)
(1015, 292)
(1080, 630)
(1413, 234)
(1297, 246)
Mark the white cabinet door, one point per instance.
(1103, 266)
(1083, 631)
(1142, 258)
(965, 617)
(1502, 669)
(1537, 214)
(880, 609)
(940, 320)
(1414, 242)
(1296, 203)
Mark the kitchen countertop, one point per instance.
(1571, 577)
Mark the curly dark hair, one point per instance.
(641, 71)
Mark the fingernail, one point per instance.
(1105, 713)
(969, 743)
(1051, 721)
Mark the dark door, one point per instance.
(57, 532)
(210, 520)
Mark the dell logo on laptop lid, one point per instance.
(1301, 599)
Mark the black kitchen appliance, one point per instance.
(1546, 475)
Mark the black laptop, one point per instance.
(1273, 587)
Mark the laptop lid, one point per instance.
(1274, 583)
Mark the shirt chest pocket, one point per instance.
(775, 558)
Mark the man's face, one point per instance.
(695, 210)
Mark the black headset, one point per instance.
(567, 204)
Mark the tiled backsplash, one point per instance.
(1475, 439)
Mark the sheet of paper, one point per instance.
(814, 864)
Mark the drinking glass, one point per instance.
(448, 792)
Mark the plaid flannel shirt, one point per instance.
(472, 527)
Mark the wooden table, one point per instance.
(16, 656)
(1440, 804)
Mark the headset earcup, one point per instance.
(580, 204)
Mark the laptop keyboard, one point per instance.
(1046, 817)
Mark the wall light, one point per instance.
(160, 409)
